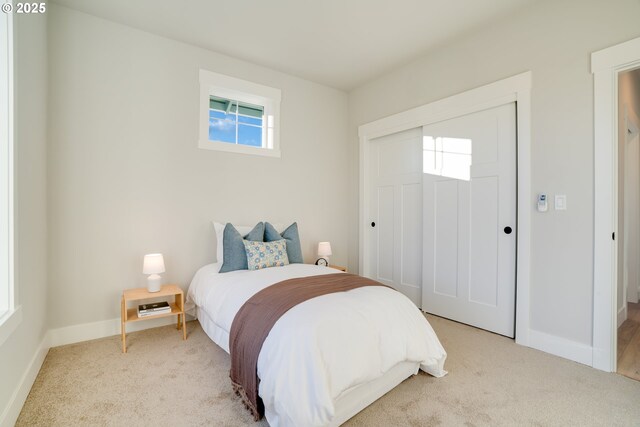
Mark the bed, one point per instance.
(327, 358)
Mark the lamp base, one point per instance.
(154, 283)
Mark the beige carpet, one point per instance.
(165, 381)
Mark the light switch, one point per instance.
(561, 202)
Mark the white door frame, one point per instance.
(606, 64)
(516, 88)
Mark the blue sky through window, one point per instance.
(225, 127)
(250, 120)
(222, 127)
(250, 135)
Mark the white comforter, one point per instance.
(324, 346)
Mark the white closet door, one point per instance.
(469, 208)
(396, 212)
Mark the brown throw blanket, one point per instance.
(256, 317)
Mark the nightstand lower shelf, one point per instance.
(131, 314)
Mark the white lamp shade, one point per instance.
(153, 264)
(324, 249)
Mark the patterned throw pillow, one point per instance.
(266, 254)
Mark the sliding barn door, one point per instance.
(469, 210)
(395, 209)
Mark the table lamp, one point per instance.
(153, 265)
(324, 250)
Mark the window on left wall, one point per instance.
(238, 116)
(9, 315)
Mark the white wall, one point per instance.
(127, 178)
(21, 351)
(554, 40)
(629, 100)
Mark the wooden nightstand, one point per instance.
(337, 267)
(131, 314)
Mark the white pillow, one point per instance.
(242, 229)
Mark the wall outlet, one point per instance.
(560, 202)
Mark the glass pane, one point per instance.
(250, 135)
(250, 120)
(251, 110)
(222, 104)
(222, 127)
(213, 114)
(216, 103)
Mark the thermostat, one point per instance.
(543, 206)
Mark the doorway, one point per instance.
(628, 245)
(606, 65)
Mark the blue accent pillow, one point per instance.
(234, 254)
(290, 234)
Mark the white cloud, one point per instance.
(223, 125)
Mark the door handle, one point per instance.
(507, 230)
(373, 224)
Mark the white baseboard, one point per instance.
(12, 411)
(622, 315)
(106, 328)
(633, 297)
(562, 347)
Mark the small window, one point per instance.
(235, 122)
(238, 116)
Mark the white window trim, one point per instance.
(11, 318)
(243, 91)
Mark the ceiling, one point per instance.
(339, 43)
